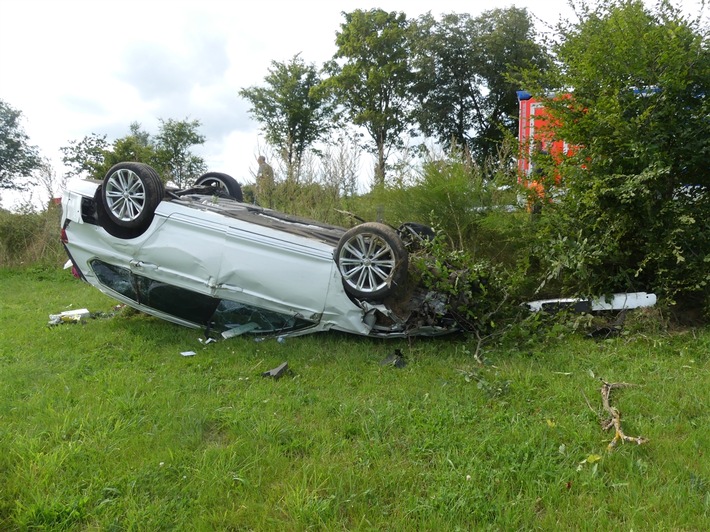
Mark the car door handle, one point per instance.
(140, 265)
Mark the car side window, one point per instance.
(221, 314)
(116, 278)
(178, 302)
(231, 314)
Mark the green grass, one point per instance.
(104, 425)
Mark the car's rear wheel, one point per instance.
(130, 194)
(224, 182)
(372, 261)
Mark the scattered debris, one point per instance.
(622, 301)
(609, 330)
(396, 359)
(69, 316)
(188, 353)
(206, 341)
(277, 372)
(615, 419)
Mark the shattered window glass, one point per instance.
(233, 315)
(193, 306)
(178, 302)
(185, 304)
(116, 278)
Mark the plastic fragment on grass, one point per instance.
(69, 316)
(277, 372)
(188, 353)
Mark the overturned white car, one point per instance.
(202, 258)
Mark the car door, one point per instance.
(186, 251)
(270, 268)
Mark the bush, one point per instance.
(474, 206)
(480, 295)
(30, 237)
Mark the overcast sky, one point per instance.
(78, 67)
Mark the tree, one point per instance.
(173, 143)
(136, 146)
(169, 152)
(18, 159)
(86, 157)
(48, 181)
(293, 116)
(465, 98)
(374, 81)
(636, 214)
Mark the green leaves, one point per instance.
(172, 146)
(463, 92)
(293, 110)
(371, 78)
(169, 152)
(638, 110)
(18, 158)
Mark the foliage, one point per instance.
(18, 158)
(309, 199)
(136, 146)
(636, 209)
(172, 146)
(470, 203)
(86, 157)
(292, 114)
(31, 238)
(106, 427)
(463, 92)
(168, 152)
(477, 292)
(371, 78)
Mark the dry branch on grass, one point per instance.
(615, 416)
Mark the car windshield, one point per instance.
(201, 309)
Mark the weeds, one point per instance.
(31, 238)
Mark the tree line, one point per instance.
(625, 83)
(391, 78)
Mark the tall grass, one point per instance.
(104, 425)
(30, 237)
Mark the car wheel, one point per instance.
(414, 235)
(226, 183)
(372, 261)
(130, 193)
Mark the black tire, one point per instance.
(130, 194)
(414, 235)
(372, 261)
(224, 182)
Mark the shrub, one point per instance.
(31, 237)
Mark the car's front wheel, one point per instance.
(130, 193)
(372, 261)
(223, 182)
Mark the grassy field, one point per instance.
(105, 426)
